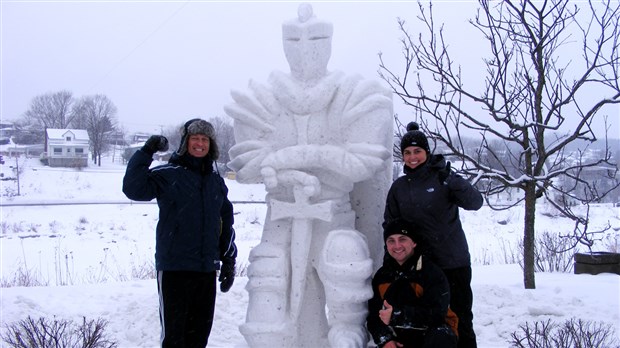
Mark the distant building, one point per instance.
(116, 138)
(67, 147)
(139, 138)
(6, 131)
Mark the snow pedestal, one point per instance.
(597, 262)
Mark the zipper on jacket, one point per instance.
(203, 229)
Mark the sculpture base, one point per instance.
(268, 335)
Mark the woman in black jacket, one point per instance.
(411, 296)
(431, 194)
(194, 232)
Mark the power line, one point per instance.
(159, 27)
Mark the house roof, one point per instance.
(78, 134)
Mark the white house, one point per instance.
(67, 147)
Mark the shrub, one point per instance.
(23, 276)
(611, 243)
(241, 269)
(144, 270)
(552, 253)
(573, 333)
(53, 333)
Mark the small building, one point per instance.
(13, 150)
(139, 137)
(67, 147)
(5, 134)
(116, 138)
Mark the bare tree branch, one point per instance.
(539, 101)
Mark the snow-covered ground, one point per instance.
(90, 254)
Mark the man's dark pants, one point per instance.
(186, 308)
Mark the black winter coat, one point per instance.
(195, 227)
(419, 293)
(430, 196)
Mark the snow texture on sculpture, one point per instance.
(321, 143)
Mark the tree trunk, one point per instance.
(529, 236)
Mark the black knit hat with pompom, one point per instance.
(414, 137)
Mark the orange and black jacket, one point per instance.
(419, 293)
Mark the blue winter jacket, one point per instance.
(195, 227)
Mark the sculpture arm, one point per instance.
(246, 158)
(253, 112)
(355, 161)
(253, 126)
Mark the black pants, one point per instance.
(461, 302)
(186, 308)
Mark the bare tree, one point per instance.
(51, 110)
(225, 136)
(534, 100)
(28, 132)
(174, 134)
(96, 114)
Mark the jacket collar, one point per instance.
(414, 263)
(433, 163)
(200, 165)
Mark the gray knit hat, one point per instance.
(199, 126)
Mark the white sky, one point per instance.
(163, 62)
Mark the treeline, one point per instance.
(96, 114)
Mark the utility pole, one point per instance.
(17, 173)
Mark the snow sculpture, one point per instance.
(321, 143)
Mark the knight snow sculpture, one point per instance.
(321, 143)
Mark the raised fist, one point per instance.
(155, 143)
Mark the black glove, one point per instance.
(445, 174)
(227, 274)
(155, 143)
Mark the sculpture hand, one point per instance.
(269, 177)
(310, 183)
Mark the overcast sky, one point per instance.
(163, 62)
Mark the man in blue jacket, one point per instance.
(194, 232)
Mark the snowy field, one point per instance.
(90, 258)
